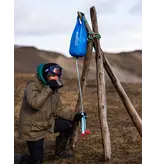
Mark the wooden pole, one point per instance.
(127, 103)
(101, 90)
(133, 114)
(84, 76)
(129, 107)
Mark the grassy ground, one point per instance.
(126, 143)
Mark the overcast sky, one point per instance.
(48, 24)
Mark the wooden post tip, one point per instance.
(92, 8)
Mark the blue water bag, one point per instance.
(78, 42)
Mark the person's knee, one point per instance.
(62, 125)
(69, 126)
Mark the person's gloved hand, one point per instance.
(50, 83)
(78, 116)
(55, 84)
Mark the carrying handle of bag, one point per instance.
(80, 21)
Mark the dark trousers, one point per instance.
(36, 152)
(62, 126)
(62, 142)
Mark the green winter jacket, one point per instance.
(39, 108)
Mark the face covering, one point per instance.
(55, 84)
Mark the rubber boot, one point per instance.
(25, 159)
(61, 147)
(17, 158)
(21, 159)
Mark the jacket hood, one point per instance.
(40, 74)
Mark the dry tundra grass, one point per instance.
(125, 140)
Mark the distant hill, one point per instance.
(127, 65)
